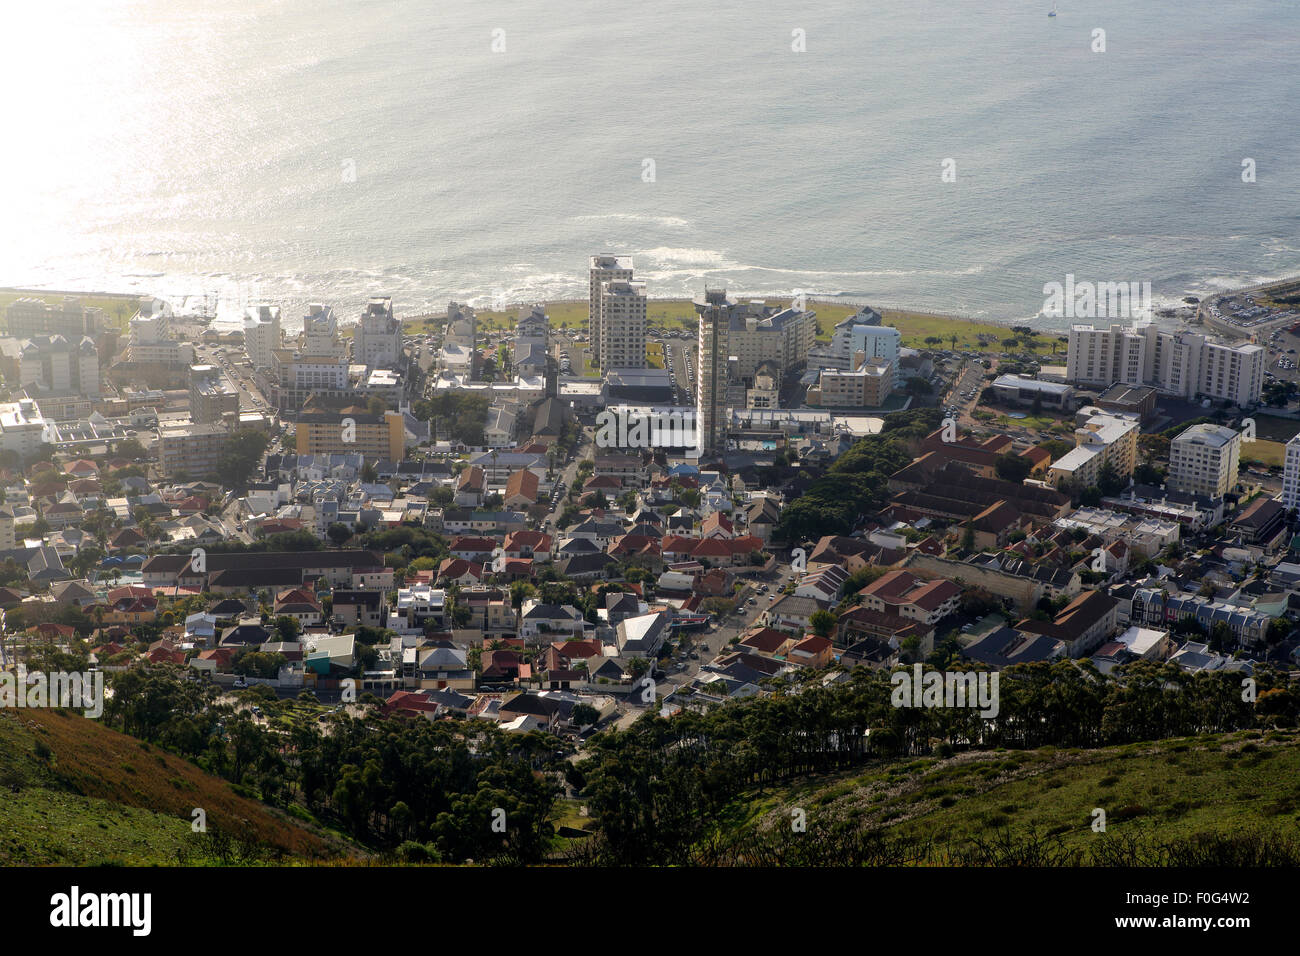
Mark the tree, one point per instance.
(287, 628)
(369, 473)
(376, 406)
(338, 533)
(1013, 467)
(823, 623)
(241, 456)
(584, 715)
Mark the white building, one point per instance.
(61, 365)
(1101, 439)
(1203, 460)
(711, 412)
(839, 354)
(261, 333)
(602, 269)
(1185, 364)
(320, 334)
(1291, 475)
(378, 337)
(21, 428)
(622, 324)
(151, 337)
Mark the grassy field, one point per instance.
(654, 353)
(1174, 789)
(80, 793)
(1263, 452)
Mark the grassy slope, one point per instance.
(101, 795)
(1176, 788)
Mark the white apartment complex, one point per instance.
(151, 336)
(1291, 474)
(378, 338)
(850, 337)
(261, 333)
(622, 324)
(602, 269)
(1101, 439)
(1203, 460)
(60, 365)
(320, 335)
(1185, 364)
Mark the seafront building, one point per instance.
(1291, 474)
(622, 324)
(1100, 441)
(602, 269)
(377, 341)
(261, 334)
(1179, 363)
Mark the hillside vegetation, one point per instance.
(76, 792)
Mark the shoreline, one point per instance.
(1198, 310)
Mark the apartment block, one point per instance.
(1099, 440)
(714, 310)
(152, 342)
(261, 333)
(1179, 363)
(212, 398)
(350, 430)
(602, 269)
(1203, 460)
(622, 324)
(30, 318)
(867, 386)
(1291, 474)
(191, 449)
(377, 340)
(60, 364)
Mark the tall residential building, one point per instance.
(714, 309)
(60, 365)
(320, 334)
(212, 398)
(462, 326)
(1180, 363)
(378, 337)
(152, 342)
(1203, 460)
(295, 376)
(22, 428)
(261, 333)
(30, 318)
(622, 324)
(602, 269)
(1291, 474)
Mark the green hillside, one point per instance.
(76, 792)
(1231, 798)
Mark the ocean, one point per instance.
(330, 150)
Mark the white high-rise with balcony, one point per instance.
(261, 333)
(1203, 460)
(1291, 474)
(602, 269)
(622, 321)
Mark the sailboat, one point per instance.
(1052, 12)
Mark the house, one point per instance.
(470, 487)
(1082, 624)
(543, 712)
(299, 604)
(643, 635)
(504, 666)
(528, 544)
(521, 489)
(767, 642)
(537, 621)
(248, 632)
(359, 608)
(444, 666)
(812, 651)
(903, 593)
(824, 584)
(473, 548)
(460, 571)
(790, 613)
